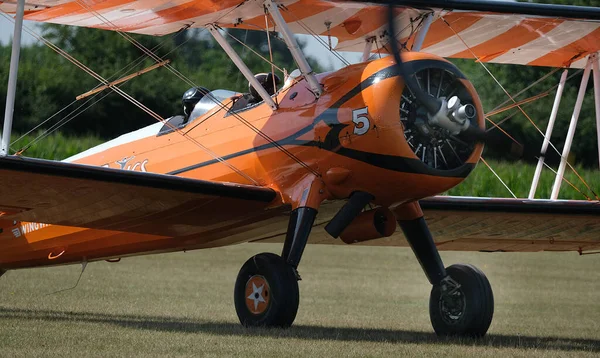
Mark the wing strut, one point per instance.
(12, 79)
(367, 50)
(422, 33)
(571, 133)
(596, 70)
(241, 66)
(550, 127)
(292, 44)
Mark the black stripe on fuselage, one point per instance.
(331, 142)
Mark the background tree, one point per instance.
(48, 82)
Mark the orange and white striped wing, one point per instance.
(486, 36)
(514, 39)
(495, 38)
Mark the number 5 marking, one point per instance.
(359, 117)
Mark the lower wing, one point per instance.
(42, 191)
(492, 225)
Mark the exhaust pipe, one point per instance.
(358, 200)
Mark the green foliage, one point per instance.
(48, 82)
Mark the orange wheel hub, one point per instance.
(258, 294)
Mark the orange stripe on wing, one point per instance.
(73, 8)
(439, 30)
(572, 52)
(360, 24)
(173, 14)
(519, 35)
(296, 11)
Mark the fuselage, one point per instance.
(351, 138)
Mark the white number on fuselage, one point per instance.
(361, 120)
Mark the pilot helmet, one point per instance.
(191, 97)
(266, 80)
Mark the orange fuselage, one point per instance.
(349, 139)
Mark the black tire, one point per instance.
(468, 311)
(281, 292)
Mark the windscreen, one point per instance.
(210, 101)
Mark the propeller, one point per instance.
(448, 114)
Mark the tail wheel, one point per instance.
(462, 305)
(266, 292)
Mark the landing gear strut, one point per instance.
(461, 301)
(266, 290)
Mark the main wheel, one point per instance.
(465, 307)
(266, 292)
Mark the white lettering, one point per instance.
(28, 228)
(361, 121)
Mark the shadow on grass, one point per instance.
(176, 324)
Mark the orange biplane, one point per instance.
(362, 146)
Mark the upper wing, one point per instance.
(35, 190)
(499, 32)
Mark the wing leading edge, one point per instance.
(515, 225)
(49, 192)
(491, 225)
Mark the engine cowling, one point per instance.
(388, 145)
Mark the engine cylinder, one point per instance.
(370, 225)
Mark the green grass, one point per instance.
(355, 302)
(518, 176)
(56, 146)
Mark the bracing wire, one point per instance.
(498, 176)
(529, 87)
(76, 112)
(71, 114)
(566, 181)
(139, 105)
(156, 116)
(511, 98)
(315, 35)
(270, 52)
(255, 52)
(182, 77)
(550, 73)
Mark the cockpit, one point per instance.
(197, 101)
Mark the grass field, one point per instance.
(355, 301)
(518, 176)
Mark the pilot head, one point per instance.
(266, 80)
(191, 97)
